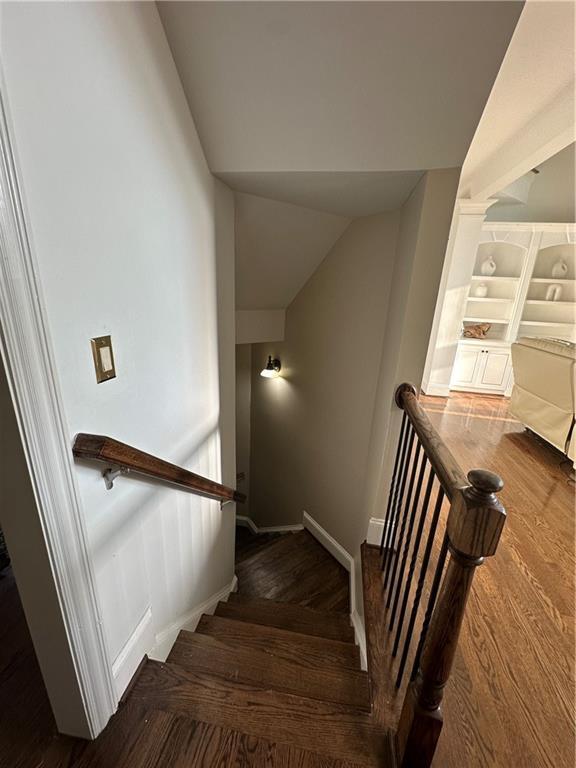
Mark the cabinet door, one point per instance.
(467, 361)
(494, 373)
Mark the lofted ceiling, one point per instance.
(338, 107)
(344, 194)
(278, 247)
(552, 193)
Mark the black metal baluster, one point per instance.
(430, 607)
(411, 569)
(420, 586)
(404, 519)
(397, 501)
(395, 479)
(408, 540)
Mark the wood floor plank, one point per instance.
(331, 729)
(295, 618)
(517, 645)
(201, 653)
(298, 570)
(308, 650)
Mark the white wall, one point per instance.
(243, 406)
(310, 427)
(125, 229)
(256, 325)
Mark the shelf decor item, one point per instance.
(480, 291)
(488, 267)
(477, 331)
(560, 269)
(554, 292)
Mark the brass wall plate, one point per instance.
(103, 358)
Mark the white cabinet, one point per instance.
(482, 368)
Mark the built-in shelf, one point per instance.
(551, 303)
(486, 320)
(487, 298)
(561, 280)
(546, 322)
(496, 278)
(485, 342)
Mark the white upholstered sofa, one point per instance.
(543, 397)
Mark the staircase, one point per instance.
(283, 677)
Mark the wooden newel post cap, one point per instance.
(484, 481)
(477, 517)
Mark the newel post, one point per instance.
(475, 522)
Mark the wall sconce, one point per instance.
(272, 369)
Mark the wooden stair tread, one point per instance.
(307, 650)
(202, 653)
(296, 618)
(330, 729)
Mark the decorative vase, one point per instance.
(560, 269)
(488, 267)
(554, 292)
(481, 291)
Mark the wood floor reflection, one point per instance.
(511, 701)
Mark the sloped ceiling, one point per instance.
(337, 86)
(278, 247)
(334, 106)
(552, 196)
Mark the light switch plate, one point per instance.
(103, 358)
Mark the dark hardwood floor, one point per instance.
(306, 574)
(272, 679)
(26, 723)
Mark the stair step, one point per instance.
(330, 729)
(334, 626)
(306, 650)
(202, 653)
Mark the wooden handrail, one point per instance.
(118, 454)
(475, 522)
(445, 465)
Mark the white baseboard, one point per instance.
(360, 632)
(347, 561)
(375, 530)
(247, 522)
(137, 645)
(165, 639)
(436, 390)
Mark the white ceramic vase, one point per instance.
(481, 291)
(488, 267)
(560, 269)
(554, 292)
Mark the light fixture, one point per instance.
(272, 369)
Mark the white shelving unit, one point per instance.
(515, 303)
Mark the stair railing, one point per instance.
(425, 469)
(122, 459)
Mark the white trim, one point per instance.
(436, 390)
(134, 650)
(529, 226)
(166, 638)
(360, 632)
(347, 561)
(247, 522)
(328, 542)
(375, 530)
(30, 369)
